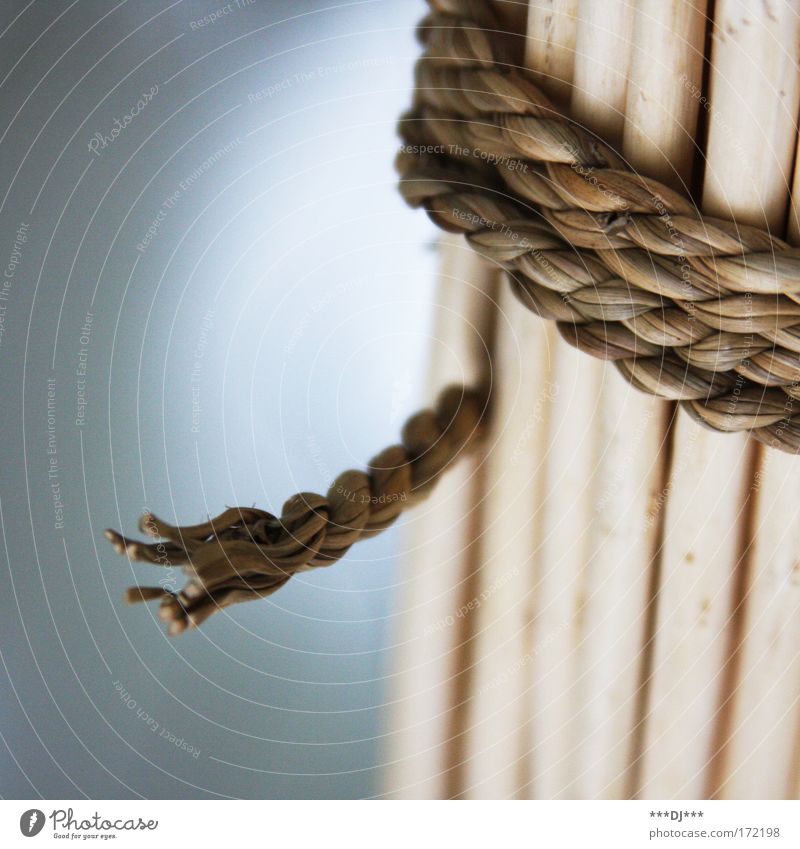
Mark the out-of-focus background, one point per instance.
(211, 295)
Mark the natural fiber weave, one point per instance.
(690, 308)
(246, 553)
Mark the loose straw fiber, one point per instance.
(246, 553)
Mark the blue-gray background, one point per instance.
(271, 332)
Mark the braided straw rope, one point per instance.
(695, 309)
(246, 553)
(690, 308)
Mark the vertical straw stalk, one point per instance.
(440, 542)
(760, 738)
(630, 466)
(709, 496)
(567, 518)
(516, 471)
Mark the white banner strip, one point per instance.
(403, 824)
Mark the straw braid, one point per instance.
(246, 553)
(691, 308)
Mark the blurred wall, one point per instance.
(212, 295)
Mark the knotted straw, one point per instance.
(691, 308)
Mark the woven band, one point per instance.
(694, 309)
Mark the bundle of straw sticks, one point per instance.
(637, 577)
